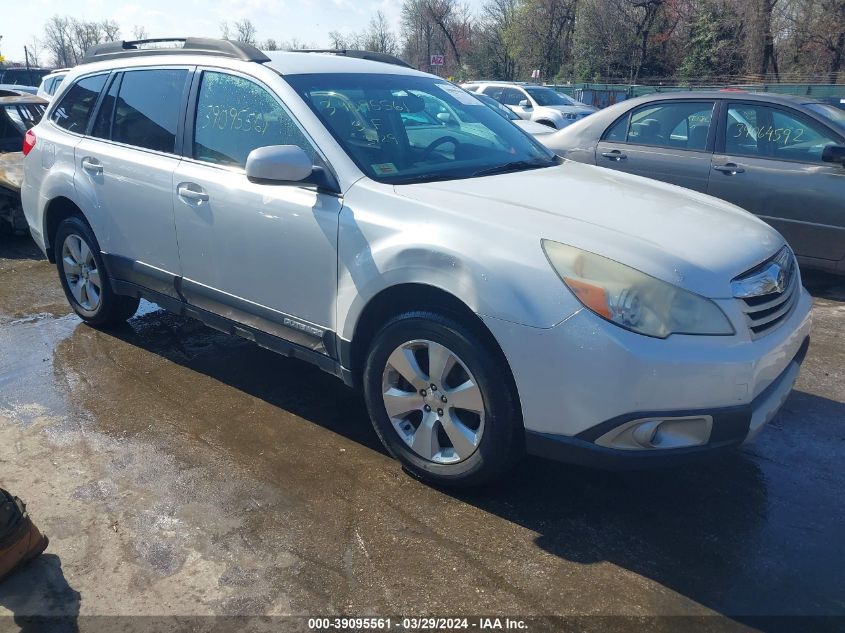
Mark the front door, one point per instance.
(669, 141)
(261, 254)
(768, 161)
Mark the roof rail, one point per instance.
(177, 45)
(372, 56)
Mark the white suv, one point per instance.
(534, 103)
(484, 296)
(50, 83)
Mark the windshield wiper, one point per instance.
(515, 165)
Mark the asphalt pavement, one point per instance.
(179, 471)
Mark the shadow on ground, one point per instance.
(40, 598)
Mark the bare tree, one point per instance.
(58, 40)
(140, 32)
(379, 37)
(295, 44)
(270, 45)
(35, 49)
(245, 32)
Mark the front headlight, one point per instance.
(632, 299)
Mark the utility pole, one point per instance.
(26, 57)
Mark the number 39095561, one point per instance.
(223, 117)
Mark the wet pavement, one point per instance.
(180, 471)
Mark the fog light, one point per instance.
(659, 433)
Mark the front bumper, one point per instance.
(585, 377)
(731, 426)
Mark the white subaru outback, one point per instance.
(485, 297)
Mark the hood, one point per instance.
(534, 128)
(680, 236)
(581, 110)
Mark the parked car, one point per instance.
(18, 113)
(483, 296)
(541, 104)
(15, 90)
(837, 102)
(780, 157)
(535, 129)
(27, 77)
(50, 83)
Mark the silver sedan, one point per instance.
(780, 157)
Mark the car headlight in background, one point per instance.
(631, 299)
(570, 116)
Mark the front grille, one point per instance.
(766, 297)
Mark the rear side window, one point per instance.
(75, 107)
(147, 108)
(673, 125)
(236, 116)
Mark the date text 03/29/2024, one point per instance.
(417, 624)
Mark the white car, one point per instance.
(534, 129)
(531, 102)
(50, 83)
(482, 295)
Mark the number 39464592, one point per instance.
(222, 117)
(773, 134)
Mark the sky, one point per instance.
(308, 21)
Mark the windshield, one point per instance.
(549, 97)
(25, 115)
(829, 112)
(403, 129)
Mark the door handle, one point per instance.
(731, 169)
(186, 192)
(615, 155)
(92, 165)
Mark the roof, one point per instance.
(769, 97)
(285, 62)
(299, 63)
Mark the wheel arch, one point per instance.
(407, 297)
(547, 122)
(58, 209)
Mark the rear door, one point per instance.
(667, 140)
(768, 161)
(124, 167)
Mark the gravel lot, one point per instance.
(178, 471)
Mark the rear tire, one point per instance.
(465, 431)
(84, 278)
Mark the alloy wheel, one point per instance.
(81, 273)
(433, 401)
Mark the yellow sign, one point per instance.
(2, 59)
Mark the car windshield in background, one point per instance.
(500, 109)
(831, 113)
(549, 97)
(25, 115)
(403, 129)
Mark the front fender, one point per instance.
(410, 242)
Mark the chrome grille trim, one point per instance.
(758, 291)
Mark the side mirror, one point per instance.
(445, 118)
(525, 103)
(834, 154)
(279, 163)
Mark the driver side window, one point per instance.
(235, 116)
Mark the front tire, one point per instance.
(440, 401)
(84, 278)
